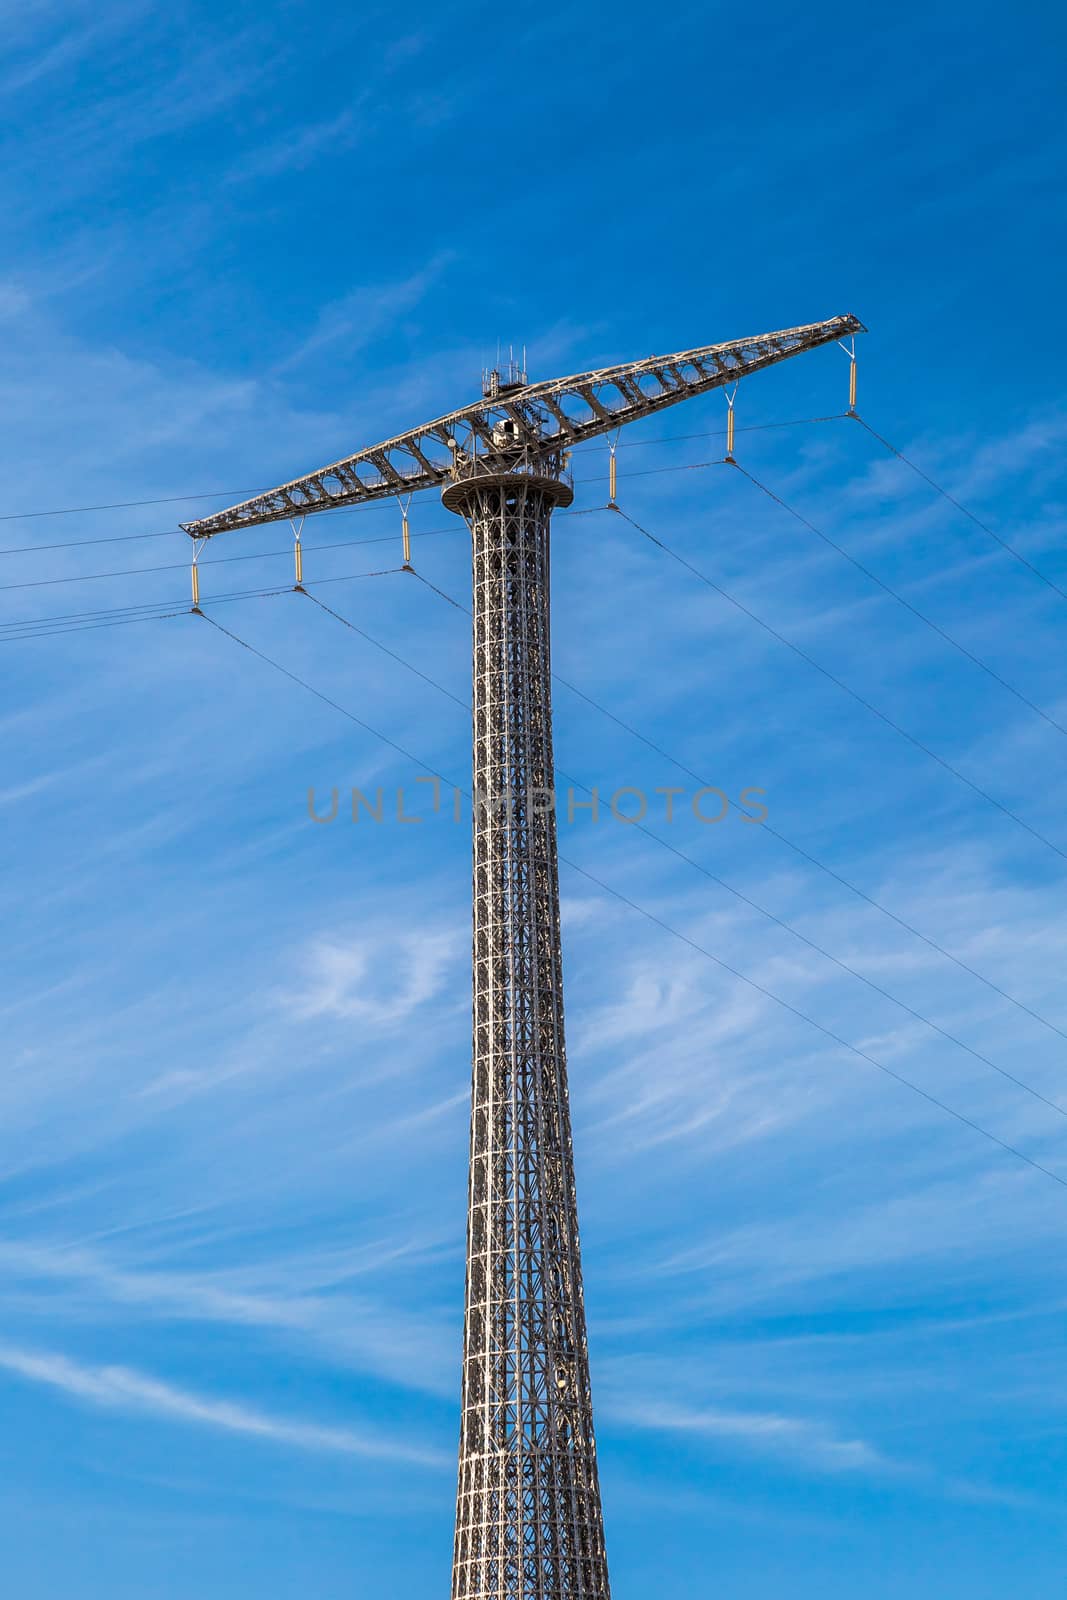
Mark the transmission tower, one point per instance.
(528, 1517)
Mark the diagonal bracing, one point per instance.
(560, 412)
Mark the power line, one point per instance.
(837, 1038)
(266, 555)
(839, 682)
(804, 1017)
(951, 498)
(182, 610)
(214, 561)
(767, 827)
(325, 698)
(76, 544)
(716, 433)
(169, 533)
(215, 494)
(769, 994)
(378, 645)
(342, 544)
(899, 598)
(437, 532)
(117, 622)
(76, 616)
(121, 505)
(45, 627)
(93, 577)
(722, 882)
(81, 623)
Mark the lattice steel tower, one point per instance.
(528, 1519)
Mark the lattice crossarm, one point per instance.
(560, 412)
(593, 403)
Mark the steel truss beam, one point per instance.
(560, 412)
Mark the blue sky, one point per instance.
(826, 1318)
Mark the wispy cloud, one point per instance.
(26, 791)
(366, 312)
(379, 981)
(955, 1222)
(14, 300)
(309, 1302)
(816, 1443)
(74, 43)
(298, 149)
(124, 1389)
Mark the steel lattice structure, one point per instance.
(558, 413)
(529, 1524)
(528, 1519)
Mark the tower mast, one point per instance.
(528, 1514)
(528, 1518)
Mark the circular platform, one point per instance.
(455, 495)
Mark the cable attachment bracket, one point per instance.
(198, 546)
(405, 531)
(731, 396)
(850, 351)
(613, 476)
(297, 525)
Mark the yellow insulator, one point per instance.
(406, 532)
(196, 585)
(612, 477)
(730, 432)
(852, 385)
(298, 562)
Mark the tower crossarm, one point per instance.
(558, 413)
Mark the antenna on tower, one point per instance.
(506, 377)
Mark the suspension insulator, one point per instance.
(852, 385)
(612, 477)
(406, 535)
(298, 562)
(196, 584)
(730, 432)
